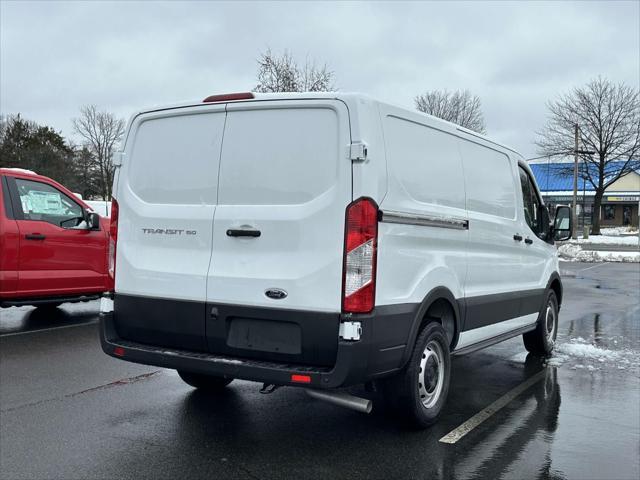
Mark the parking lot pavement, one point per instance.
(68, 411)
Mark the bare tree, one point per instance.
(608, 117)
(101, 132)
(460, 107)
(283, 74)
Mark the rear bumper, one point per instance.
(350, 367)
(377, 353)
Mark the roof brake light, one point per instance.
(228, 97)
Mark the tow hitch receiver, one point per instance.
(268, 388)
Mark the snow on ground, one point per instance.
(575, 252)
(591, 357)
(609, 240)
(619, 231)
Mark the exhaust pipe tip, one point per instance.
(342, 399)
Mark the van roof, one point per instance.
(347, 97)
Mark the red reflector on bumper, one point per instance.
(301, 378)
(119, 351)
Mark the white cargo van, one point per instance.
(324, 240)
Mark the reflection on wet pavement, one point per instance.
(25, 319)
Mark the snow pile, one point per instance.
(557, 359)
(574, 252)
(609, 240)
(578, 348)
(591, 357)
(615, 231)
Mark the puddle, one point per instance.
(609, 331)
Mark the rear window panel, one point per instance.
(174, 160)
(278, 156)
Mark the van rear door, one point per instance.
(167, 192)
(275, 280)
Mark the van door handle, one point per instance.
(528, 241)
(233, 232)
(34, 236)
(517, 238)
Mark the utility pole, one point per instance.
(574, 234)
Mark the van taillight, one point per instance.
(360, 245)
(113, 242)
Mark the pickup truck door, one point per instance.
(58, 254)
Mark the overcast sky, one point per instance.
(57, 56)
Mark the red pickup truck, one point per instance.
(53, 247)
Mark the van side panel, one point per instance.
(425, 179)
(495, 290)
(493, 254)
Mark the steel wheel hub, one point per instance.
(431, 374)
(551, 323)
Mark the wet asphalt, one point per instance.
(68, 411)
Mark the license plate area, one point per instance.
(300, 337)
(265, 336)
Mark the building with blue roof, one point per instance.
(619, 203)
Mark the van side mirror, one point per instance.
(93, 221)
(562, 223)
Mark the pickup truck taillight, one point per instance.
(113, 242)
(360, 245)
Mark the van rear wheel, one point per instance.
(542, 340)
(209, 383)
(419, 392)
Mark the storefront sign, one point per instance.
(623, 199)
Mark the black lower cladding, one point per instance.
(160, 322)
(271, 334)
(389, 327)
(486, 310)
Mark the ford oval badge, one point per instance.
(275, 293)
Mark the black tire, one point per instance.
(209, 383)
(419, 396)
(542, 340)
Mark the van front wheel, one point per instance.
(209, 383)
(419, 392)
(542, 340)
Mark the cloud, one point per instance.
(123, 56)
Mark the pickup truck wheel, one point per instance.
(419, 392)
(542, 340)
(209, 383)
